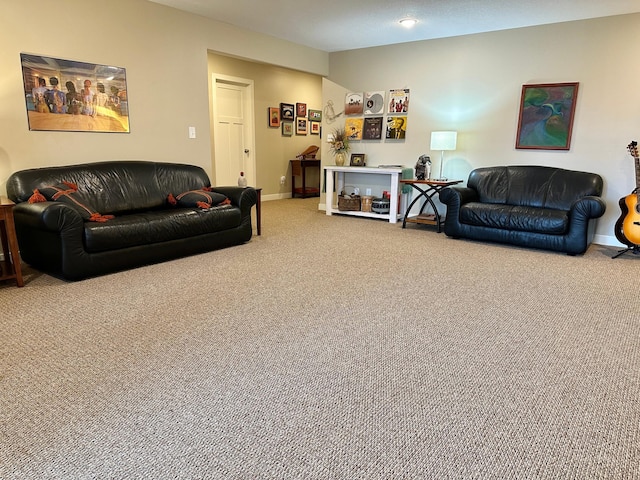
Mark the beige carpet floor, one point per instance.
(327, 348)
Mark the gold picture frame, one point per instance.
(357, 160)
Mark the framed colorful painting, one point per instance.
(67, 95)
(545, 121)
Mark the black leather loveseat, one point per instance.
(530, 206)
(108, 216)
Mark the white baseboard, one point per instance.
(275, 196)
(608, 240)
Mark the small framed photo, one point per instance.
(315, 115)
(287, 111)
(357, 160)
(287, 129)
(314, 128)
(301, 109)
(274, 117)
(301, 126)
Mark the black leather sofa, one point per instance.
(57, 237)
(530, 206)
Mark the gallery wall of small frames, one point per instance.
(366, 119)
(372, 115)
(295, 119)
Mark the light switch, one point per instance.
(192, 132)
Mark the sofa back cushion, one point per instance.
(533, 186)
(114, 186)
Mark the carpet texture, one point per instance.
(327, 348)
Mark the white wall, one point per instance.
(473, 84)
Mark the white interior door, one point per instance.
(233, 130)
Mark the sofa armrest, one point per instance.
(50, 235)
(588, 207)
(457, 195)
(47, 216)
(242, 197)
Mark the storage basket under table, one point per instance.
(348, 203)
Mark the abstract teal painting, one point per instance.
(546, 116)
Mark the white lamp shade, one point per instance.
(443, 140)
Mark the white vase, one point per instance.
(340, 157)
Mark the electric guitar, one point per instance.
(628, 225)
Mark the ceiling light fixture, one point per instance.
(408, 22)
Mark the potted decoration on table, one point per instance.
(340, 146)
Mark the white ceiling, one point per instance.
(336, 25)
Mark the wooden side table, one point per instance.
(259, 210)
(10, 267)
(299, 168)
(430, 189)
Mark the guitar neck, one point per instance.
(637, 165)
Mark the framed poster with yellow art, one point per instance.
(353, 128)
(72, 96)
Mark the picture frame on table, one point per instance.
(545, 119)
(274, 117)
(287, 129)
(357, 160)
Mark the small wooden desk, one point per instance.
(10, 268)
(299, 168)
(432, 188)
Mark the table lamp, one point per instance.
(443, 141)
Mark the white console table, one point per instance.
(394, 181)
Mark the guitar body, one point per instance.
(628, 225)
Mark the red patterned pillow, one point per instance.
(202, 198)
(67, 193)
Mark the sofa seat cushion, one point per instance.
(514, 217)
(130, 230)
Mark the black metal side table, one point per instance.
(427, 190)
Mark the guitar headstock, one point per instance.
(633, 149)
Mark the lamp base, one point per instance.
(441, 178)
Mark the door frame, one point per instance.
(249, 124)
